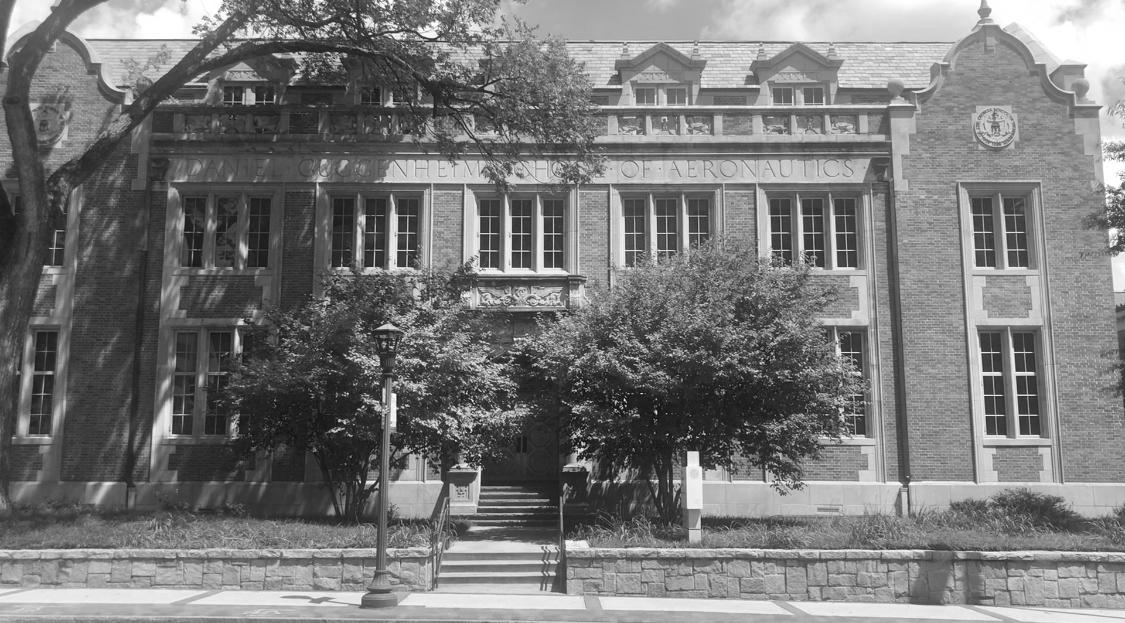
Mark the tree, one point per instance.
(473, 87)
(712, 350)
(311, 381)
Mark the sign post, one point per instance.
(693, 498)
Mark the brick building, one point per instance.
(942, 187)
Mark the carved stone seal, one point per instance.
(994, 126)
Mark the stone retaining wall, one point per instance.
(1052, 579)
(304, 569)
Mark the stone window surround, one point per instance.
(391, 226)
(999, 228)
(165, 374)
(505, 233)
(174, 234)
(830, 196)
(1012, 436)
(682, 196)
(26, 371)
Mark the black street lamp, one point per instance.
(379, 594)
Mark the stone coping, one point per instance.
(841, 554)
(207, 554)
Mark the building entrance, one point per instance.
(531, 456)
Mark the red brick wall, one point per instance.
(449, 223)
(297, 235)
(842, 463)
(593, 238)
(740, 219)
(944, 152)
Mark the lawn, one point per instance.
(1016, 519)
(75, 527)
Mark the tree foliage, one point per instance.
(479, 86)
(311, 381)
(715, 351)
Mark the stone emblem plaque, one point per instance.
(50, 123)
(994, 126)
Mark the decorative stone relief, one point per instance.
(232, 123)
(775, 124)
(50, 122)
(738, 125)
(700, 125)
(994, 126)
(342, 123)
(266, 123)
(845, 124)
(665, 124)
(195, 124)
(375, 124)
(630, 124)
(810, 124)
(520, 296)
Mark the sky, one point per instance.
(1088, 31)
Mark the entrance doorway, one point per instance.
(532, 456)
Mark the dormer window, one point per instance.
(782, 96)
(371, 96)
(798, 96)
(813, 96)
(264, 95)
(233, 96)
(661, 96)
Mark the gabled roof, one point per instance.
(643, 58)
(832, 60)
(867, 65)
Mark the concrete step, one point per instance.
(479, 556)
(512, 577)
(508, 512)
(499, 521)
(485, 588)
(497, 567)
(499, 502)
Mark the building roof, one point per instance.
(866, 65)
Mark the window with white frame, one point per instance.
(35, 384)
(370, 96)
(245, 94)
(821, 227)
(375, 230)
(521, 232)
(660, 95)
(1000, 224)
(202, 362)
(850, 346)
(1010, 388)
(657, 225)
(798, 95)
(56, 248)
(225, 230)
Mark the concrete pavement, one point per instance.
(136, 605)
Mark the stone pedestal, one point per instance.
(464, 489)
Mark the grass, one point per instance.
(78, 527)
(1015, 519)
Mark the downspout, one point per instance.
(900, 358)
(138, 341)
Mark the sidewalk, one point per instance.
(135, 605)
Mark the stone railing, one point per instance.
(199, 122)
(299, 569)
(1051, 579)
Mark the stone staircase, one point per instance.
(511, 547)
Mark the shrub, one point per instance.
(879, 531)
(1037, 509)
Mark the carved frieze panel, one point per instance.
(232, 123)
(342, 123)
(845, 124)
(775, 124)
(738, 125)
(266, 123)
(810, 124)
(535, 296)
(630, 124)
(375, 124)
(665, 124)
(700, 125)
(197, 124)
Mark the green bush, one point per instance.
(1037, 509)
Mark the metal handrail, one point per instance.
(438, 539)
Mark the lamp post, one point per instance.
(379, 594)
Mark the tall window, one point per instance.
(56, 249)
(375, 231)
(824, 229)
(1000, 231)
(659, 225)
(521, 232)
(225, 230)
(1010, 383)
(35, 384)
(849, 345)
(203, 361)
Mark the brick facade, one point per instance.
(912, 167)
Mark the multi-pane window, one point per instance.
(225, 230)
(375, 231)
(824, 229)
(264, 95)
(660, 96)
(233, 96)
(659, 225)
(1010, 383)
(524, 232)
(39, 391)
(813, 95)
(45, 348)
(1000, 231)
(203, 362)
(782, 96)
(371, 96)
(849, 346)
